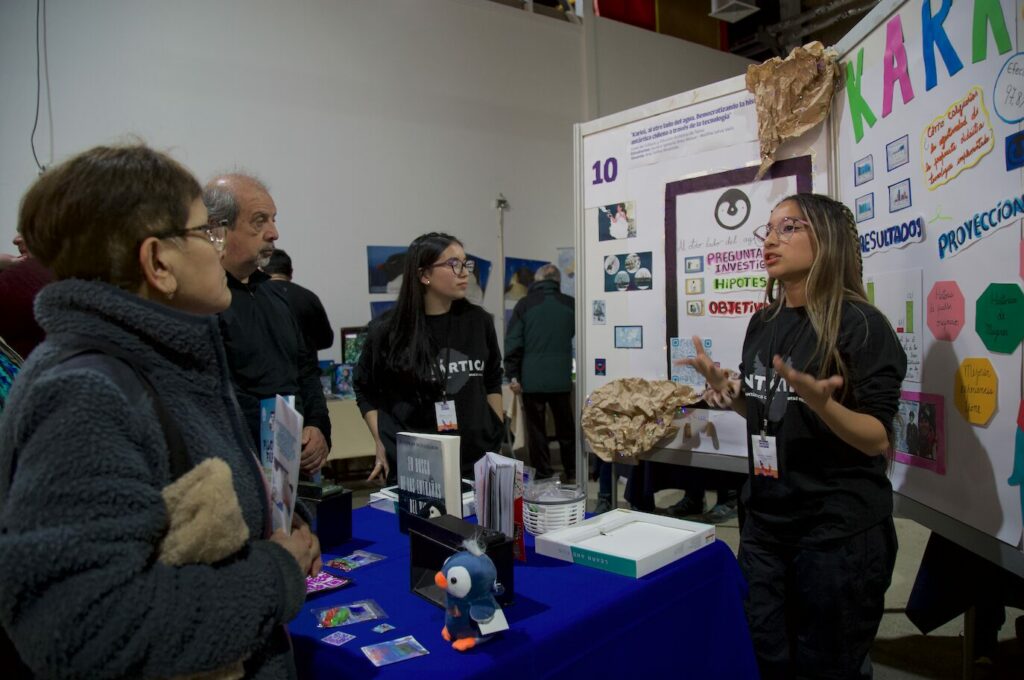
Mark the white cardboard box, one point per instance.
(626, 542)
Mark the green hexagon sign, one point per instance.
(999, 317)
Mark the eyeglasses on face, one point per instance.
(784, 230)
(215, 233)
(458, 266)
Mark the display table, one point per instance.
(567, 620)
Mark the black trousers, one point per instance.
(815, 613)
(534, 404)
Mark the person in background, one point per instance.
(306, 306)
(432, 359)
(84, 451)
(819, 385)
(538, 363)
(264, 344)
(21, 278)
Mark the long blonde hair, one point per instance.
(836, 276)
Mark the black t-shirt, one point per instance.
(826, 489)
(465, 339)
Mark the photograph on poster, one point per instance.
(694, 308)
(629, 337)
(863, 170)
(628, 271)
(378, 308)
(600, 367)
(864, 208)
(599, 313)
(693, 265)
(518, 276)
(899, 196)
(919, 431)
(897, 152)
(384, 265)
(615, 221)
(694, 286)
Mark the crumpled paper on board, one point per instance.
(627, 417)
(791, 95)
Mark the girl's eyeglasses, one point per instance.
(458, 266)
(784, 230)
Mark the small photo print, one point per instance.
(600, 367)
(864, 208)
(899, 196)
(863, 170)
(615, 221)
(919, 431)
(393, 651)
(599, 312)
(694, 308)
(629, 337)
(611, 265)
(324, 581)
(338, 638)
(359, 558)
(695, 286)
(897, 152)
(693, 265)
(628, 272)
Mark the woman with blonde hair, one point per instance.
(819, 385)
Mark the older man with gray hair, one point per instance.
(264, 344)
(538, 361)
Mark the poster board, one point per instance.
(928, 154)
(666, 207)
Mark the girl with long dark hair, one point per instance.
(819, 385)
(432, 363)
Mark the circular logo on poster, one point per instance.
(732, 210)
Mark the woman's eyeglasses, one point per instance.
(784, 230)
(215, 233)
(458, 266)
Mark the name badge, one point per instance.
(766, 458)
(447, 421)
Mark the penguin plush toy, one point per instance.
(469, 580)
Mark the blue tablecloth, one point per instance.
(569, 620)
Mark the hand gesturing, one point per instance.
(815, 393)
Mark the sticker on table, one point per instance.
(899, 196)
(382, 628)
(629, 337)
(999, 317)
(599, 314)
(897, 152)
(359, 558)
(975, 390)
(864, 207)
(393, 651)
(324, 581)
(945, 310)
(347, 614)
(919, 431)
(338, 638)
(863, 170)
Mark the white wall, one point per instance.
(372, 122)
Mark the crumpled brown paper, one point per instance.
(627, 417)
(791, 95)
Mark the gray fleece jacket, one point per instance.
(81, 516)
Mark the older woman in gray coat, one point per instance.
(88, 442)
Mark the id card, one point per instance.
(766, 458)
(447, 421)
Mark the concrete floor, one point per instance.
(900, 652)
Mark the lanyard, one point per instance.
(772, 379)
(447, 359)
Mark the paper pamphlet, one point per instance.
(499, 498)
(287, 449)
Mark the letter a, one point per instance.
(859, 109)
(895, 66)
(934, 35)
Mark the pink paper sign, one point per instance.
(945, 310)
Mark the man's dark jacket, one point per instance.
(538, 343)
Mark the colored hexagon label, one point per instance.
(945, 307)
(975, 390)
(999, 317)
